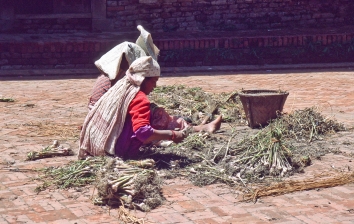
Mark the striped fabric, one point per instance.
(102, 85)
(105, 121)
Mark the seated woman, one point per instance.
(119, 123)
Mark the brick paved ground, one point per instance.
(27, 124)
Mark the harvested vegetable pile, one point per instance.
(236, 156)
(228, 158)
(267, 154)
(77, 173)
(195, 104)
(309, 124)
(133, 184)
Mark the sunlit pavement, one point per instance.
(62, 102)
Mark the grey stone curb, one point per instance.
(173, 71)
(266, 68)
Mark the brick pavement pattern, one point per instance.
(41, 104)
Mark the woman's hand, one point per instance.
(157, 135)
(177, 136)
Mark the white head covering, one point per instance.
(146, 43)
(109, 63)
(141, 68)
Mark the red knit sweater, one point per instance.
(139, 110)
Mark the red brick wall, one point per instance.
(49, 16)
(228, 15)
(208, 51)
(52, 54)
(205, 15)
(197, 48)
(52, 25)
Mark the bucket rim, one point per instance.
(257, 92)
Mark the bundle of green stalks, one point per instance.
(75, 174)
(253, 158)
(196, 104)
(195, 141)
(50, 151)
(265, 151)
(133, 183)
(309, 124)
(277, 153)
(269, 148)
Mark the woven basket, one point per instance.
(262, 105)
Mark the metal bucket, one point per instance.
(262, 105)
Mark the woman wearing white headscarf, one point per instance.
(119, 123)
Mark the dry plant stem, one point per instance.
(227, 147)
(293, 186)
(244, 184)
(93, 192)
(233, 134)
(226, 180)
(125, 216)
(313, 131)
(216, 154)
(148, 163)
(17, 170)
(230, 96)
(210, 162)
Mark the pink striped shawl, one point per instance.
(104, 123)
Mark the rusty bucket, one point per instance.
(262, 105)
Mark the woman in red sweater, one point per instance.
(119, 123)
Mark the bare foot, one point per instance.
(210, 127)
(214, 125)
(206, 118)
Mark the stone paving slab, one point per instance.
(62, 102)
